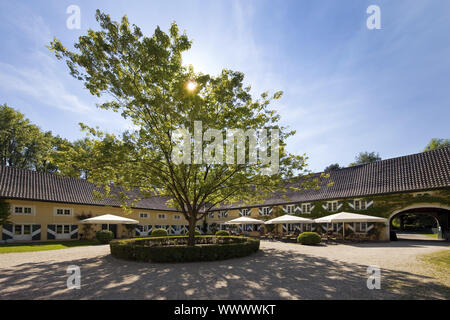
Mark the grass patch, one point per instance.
(439, 263)
(440, 259)
(47, 245)
(432, 235)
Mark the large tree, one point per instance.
(331, 167)
(5, 212)
(23, 144)
(144, 79)
(436, 143)
(365, 157)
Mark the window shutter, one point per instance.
(74, 231)
(36, 232)
(51, 232)
(351, 203)
(7, 233)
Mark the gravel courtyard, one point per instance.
(278, 271)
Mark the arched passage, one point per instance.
(438, 214)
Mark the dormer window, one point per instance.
(245, 212)
(306, 207)
(359, 204)
(63, 211)
(223, 214)
(23, 210)
(290, 208)
(332, 206)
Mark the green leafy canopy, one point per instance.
(143, 79)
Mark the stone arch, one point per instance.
(439, 211)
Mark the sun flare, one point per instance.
(191, 85)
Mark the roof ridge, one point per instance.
(385, 160)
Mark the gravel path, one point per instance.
(278, 271)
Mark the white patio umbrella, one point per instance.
(244, 220)
(287, 218)
(348, 217)
(109, 219)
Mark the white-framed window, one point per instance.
(332, 206)
(22, 229)
(306, 207)
(290, 208)
(359, 204)
(145, 227)
(161, 216)
(143, 215)
(211, 215)
(177, 217)
(27, 210)
(266, 211)
(63, 212)
(245, 212)
(223, 214)
(62, 229)
(360, 227)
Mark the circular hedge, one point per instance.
(309, 238)
(104, 236)
(160, 232)
(222, 233)
(175, 249)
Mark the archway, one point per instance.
(431, 222)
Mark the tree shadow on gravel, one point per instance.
(268, 274)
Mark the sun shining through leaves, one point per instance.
(191, 85)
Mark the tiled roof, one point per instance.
(416, 172)
(25, 184)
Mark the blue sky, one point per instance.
(346, 88)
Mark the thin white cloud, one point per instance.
(45, 87)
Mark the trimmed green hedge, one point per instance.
(222, 233)
(160, 233)
(309, 238)
(104, 236)
(169, 249)
(196, 233)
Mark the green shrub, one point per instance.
(196, 233)
(160, 233)
(222, 233)
(104, 236)
(222, 248)
(309, 238)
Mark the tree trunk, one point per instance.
(191, 236)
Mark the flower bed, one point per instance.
(175, 249)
